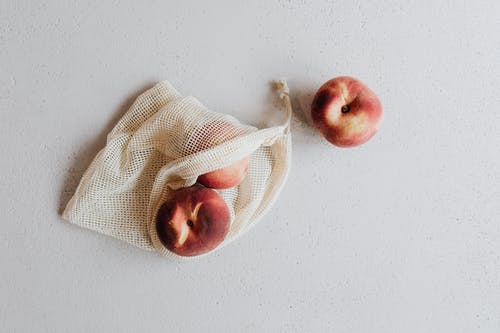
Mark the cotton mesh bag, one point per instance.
(163, 143)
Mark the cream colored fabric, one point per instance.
(164, 142)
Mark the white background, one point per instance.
(399, 235)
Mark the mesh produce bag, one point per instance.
(163, 143)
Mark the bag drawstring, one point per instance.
(284, 92)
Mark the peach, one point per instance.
(212, 134)
(193, 221)
(346, 112)
(227, 177)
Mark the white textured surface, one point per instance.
(399, 235)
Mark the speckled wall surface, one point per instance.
(399, 235)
